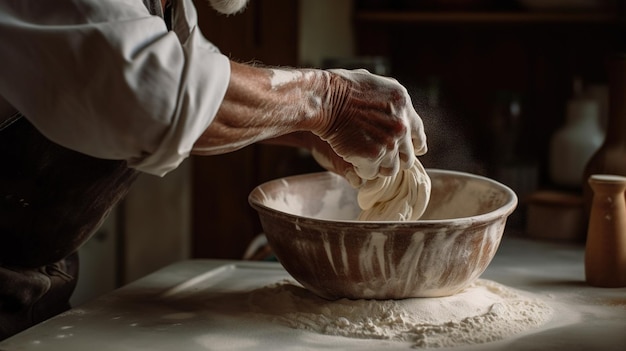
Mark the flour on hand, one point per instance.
(401, 197)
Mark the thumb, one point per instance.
(337, 165)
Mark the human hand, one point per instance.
(326, 157)
(371, 124)
(367, 124)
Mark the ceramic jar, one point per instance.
(572, 146)
(605, 250)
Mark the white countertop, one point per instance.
(167, 310)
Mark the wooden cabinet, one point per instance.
(500, 76)
(478, 59)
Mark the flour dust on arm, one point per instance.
(263, 103)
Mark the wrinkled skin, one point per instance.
(356, 124)
(376, 128)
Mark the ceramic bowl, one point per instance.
(309, 221)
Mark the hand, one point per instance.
(366, 123)
(321, 152)
(371, 123)
(326, 157)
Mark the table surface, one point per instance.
(163, 311)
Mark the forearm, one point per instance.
(358, 121)
(299, 139)
(266, 103)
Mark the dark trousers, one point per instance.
(32, 295)
(52, 200)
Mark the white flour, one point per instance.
(484, 312)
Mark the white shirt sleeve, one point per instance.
(106, 78)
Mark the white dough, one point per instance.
(402, 197)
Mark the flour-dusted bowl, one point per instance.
(309, 221)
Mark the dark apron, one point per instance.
(52, 200)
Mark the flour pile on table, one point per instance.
(486, 311)
(402, 197)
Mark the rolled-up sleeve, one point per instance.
(108, 79)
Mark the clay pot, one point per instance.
(605, 252)
(309, 221)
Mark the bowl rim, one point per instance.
(503, 211)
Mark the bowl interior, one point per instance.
(326, 196)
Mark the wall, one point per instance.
(150, 229)
(325, 31)
(157, 222)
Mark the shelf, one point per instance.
(414, 17)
